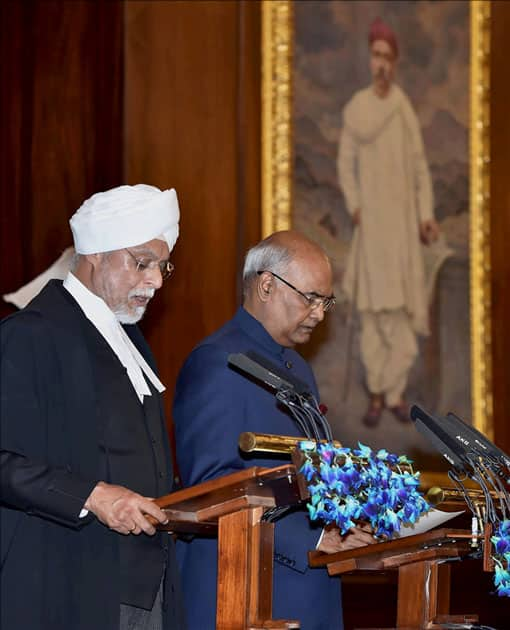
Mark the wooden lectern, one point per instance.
(232, 508)
(423, 575)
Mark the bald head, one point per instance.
(287, 279)
(276, 252)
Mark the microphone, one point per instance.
(448, 446)
(472, 455)
(263, 370)
(472, 438)
(290, 390)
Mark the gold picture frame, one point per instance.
(277, 172)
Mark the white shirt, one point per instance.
(103, 318)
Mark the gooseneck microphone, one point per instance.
(472, 456)
(263, 370)
(461, 444)
(292, 392)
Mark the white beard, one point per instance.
(125, 316)
(130, 318)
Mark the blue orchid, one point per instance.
(349, 476)
(308, 470)
(382, 454)
(347, 485)
(307, 445)
(328, 473)
(327, 453)
(504, 528)
(501, 575)
(504, 590)
(501, 544)
(363, 451)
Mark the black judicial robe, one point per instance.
(69, 418)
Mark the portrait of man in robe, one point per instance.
(381, 180)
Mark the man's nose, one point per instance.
(318, 312)
(153, 277)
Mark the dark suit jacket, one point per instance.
(213, 405)
(60, 572)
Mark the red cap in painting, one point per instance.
(380, 30)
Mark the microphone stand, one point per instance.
(472, 456)
(305, 411)
(293, 394)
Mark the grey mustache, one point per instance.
(144, 293)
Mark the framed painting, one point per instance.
(375, 144)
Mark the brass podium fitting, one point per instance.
(437, 495)
(250, 442)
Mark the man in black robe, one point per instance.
(83, 439)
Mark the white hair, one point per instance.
(75, 260)
(265, 256)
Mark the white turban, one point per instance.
(124, 217)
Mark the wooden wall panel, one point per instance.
(14, 136)
(192, 122)
(249, 131)
(61, 125)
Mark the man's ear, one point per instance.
(265, 286)
(94, 259)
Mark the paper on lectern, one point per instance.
(433, 518)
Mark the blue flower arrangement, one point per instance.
(501, 544)
(348, 485)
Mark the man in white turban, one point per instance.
(83, 438)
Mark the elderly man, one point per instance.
(386, 183)
(287, 290)
(84, 446)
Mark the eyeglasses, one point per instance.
(166, 268)
(314, 300)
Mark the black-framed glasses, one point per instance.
(166, 268)
(313, 300)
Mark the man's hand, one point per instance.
(358, 536)
(429, 231)
(123, 510)
(356, 216)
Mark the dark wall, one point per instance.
(61, 124)
(192, 90)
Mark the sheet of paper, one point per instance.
(431, 519)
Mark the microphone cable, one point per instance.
(273, 514)
(309, 402)
(303, 418)
(285, 398)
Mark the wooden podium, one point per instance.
(232, 507)
(423, 579)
